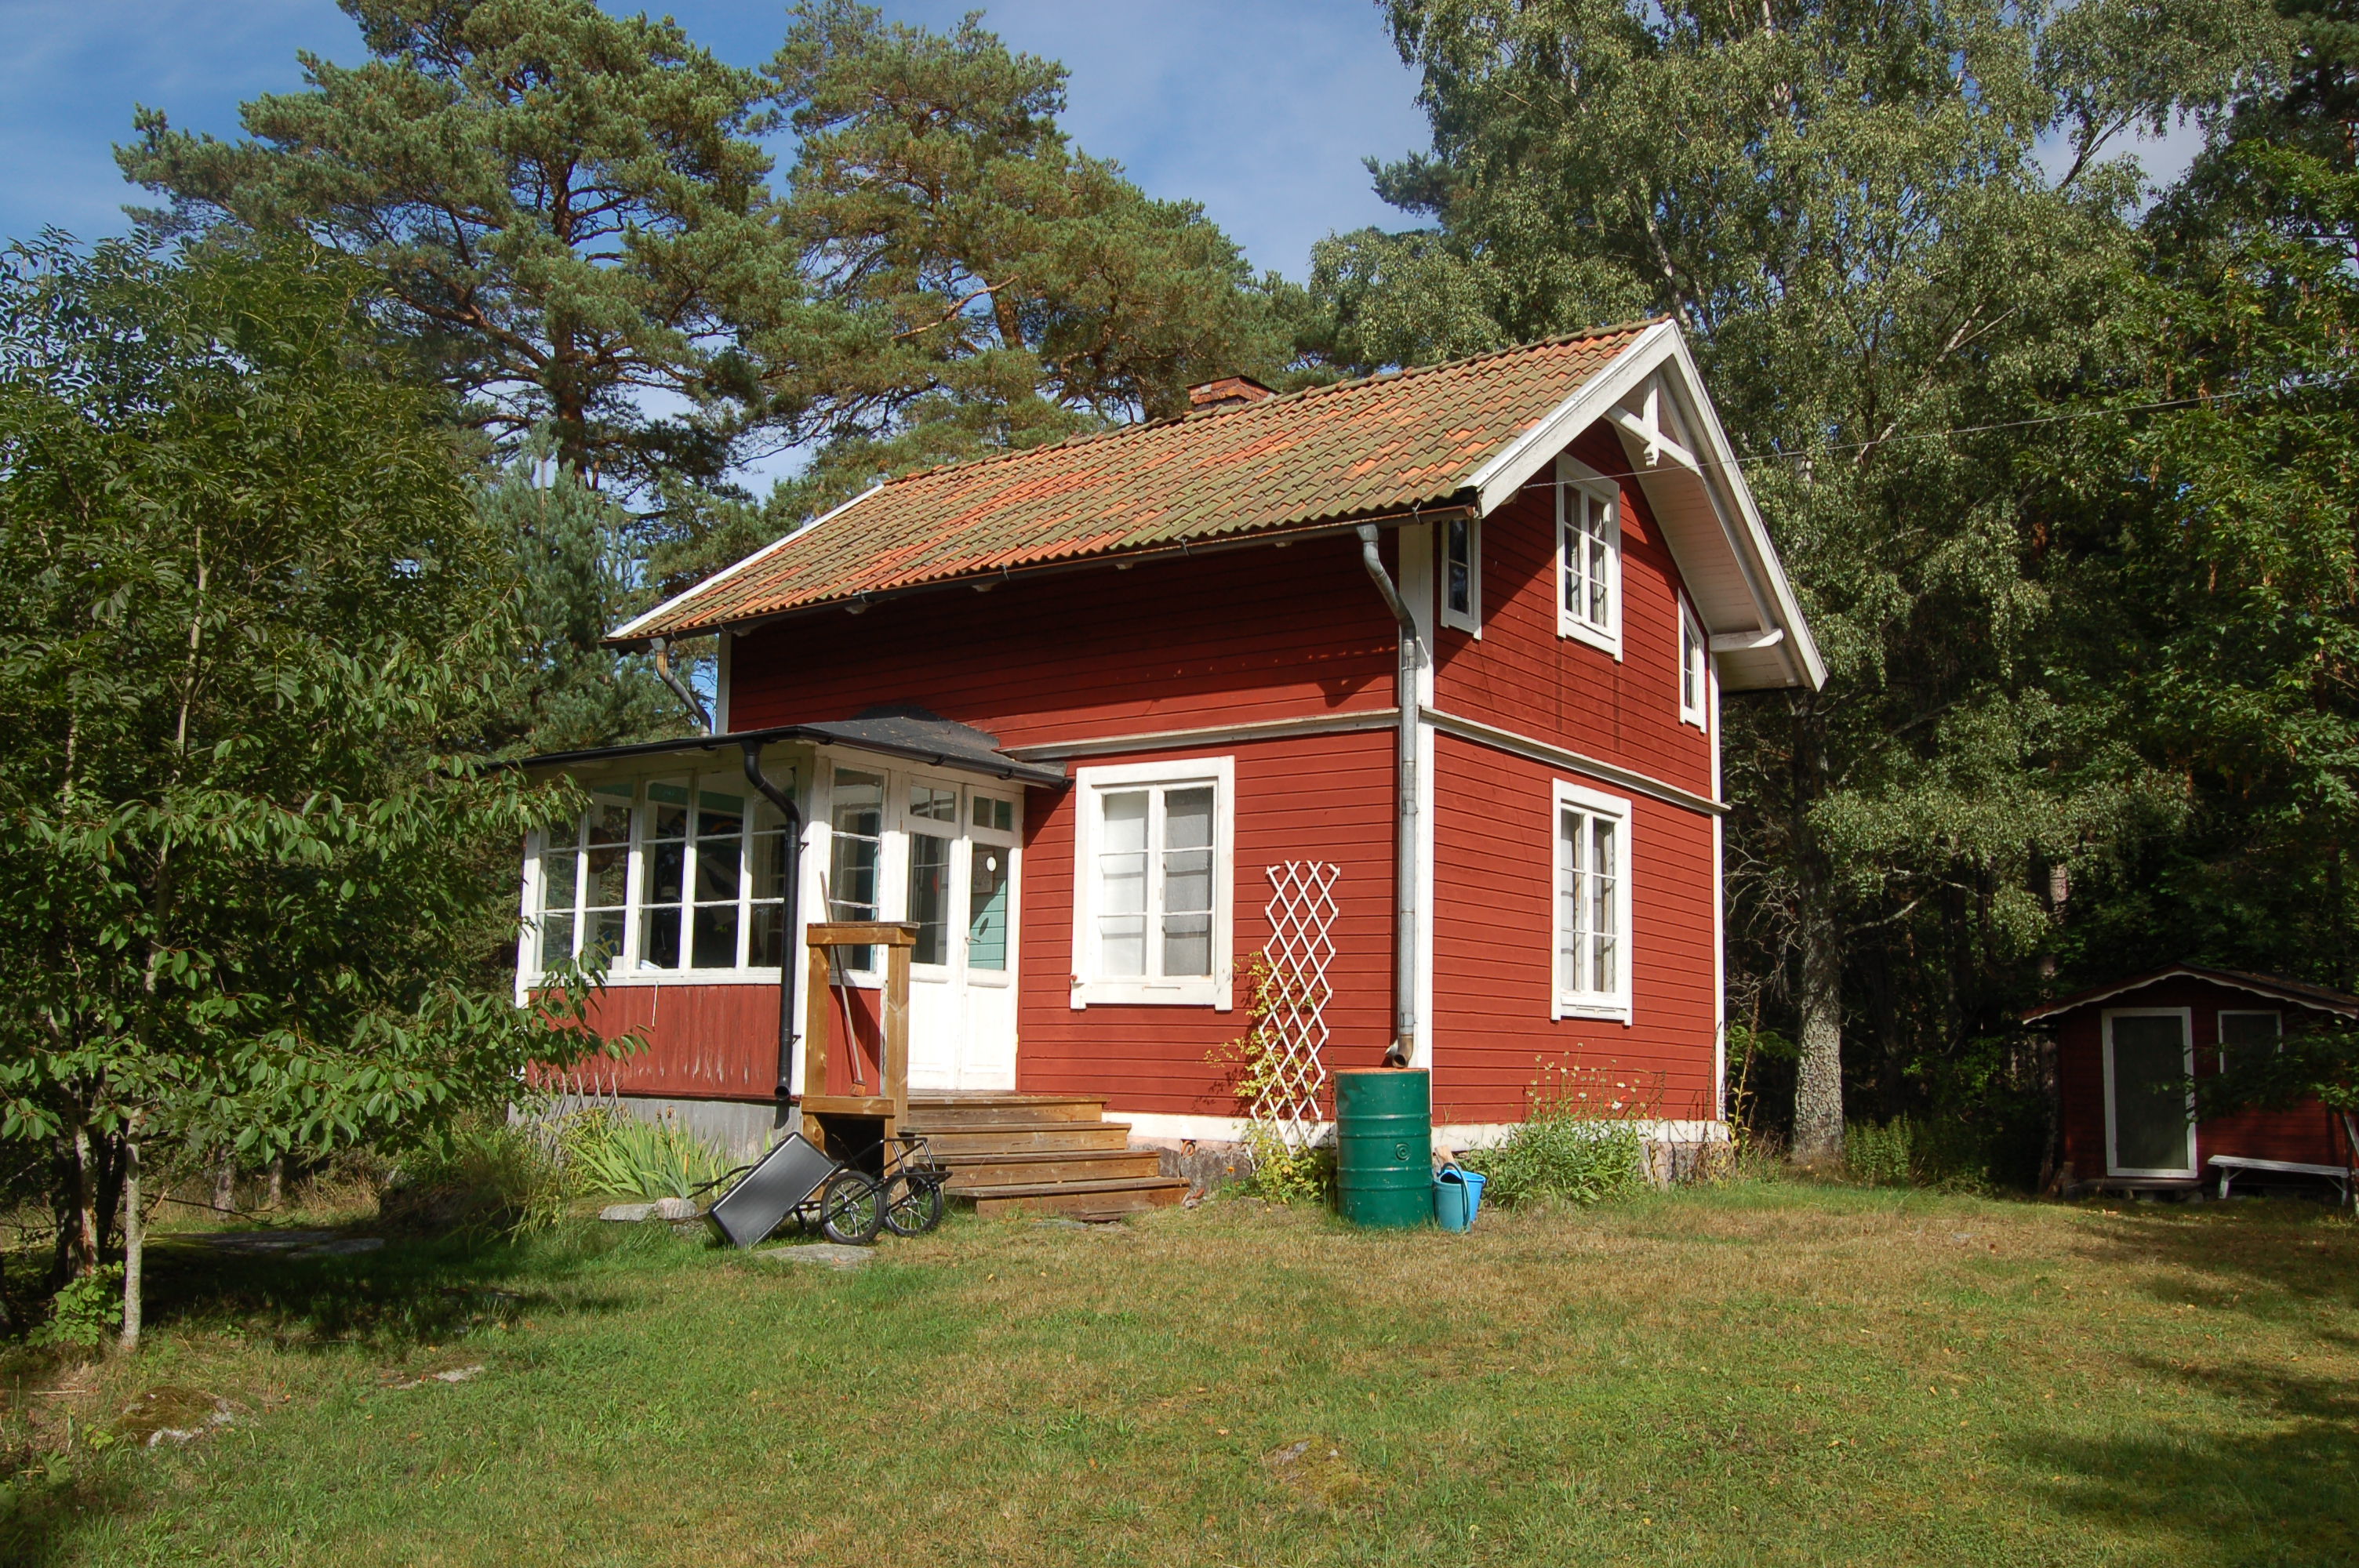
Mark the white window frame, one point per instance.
(2220, 1028)
(1471, 618)
(1575, 478)
(1695, 650)
(626, 969)
(1090, 987)
(2186, 1017)
(1611, 1006)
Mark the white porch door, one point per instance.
(2149, 1116)
(958, 850)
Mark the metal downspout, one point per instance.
(789, 896)
(1403, 1050)
(662, 646)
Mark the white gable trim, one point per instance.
(1661, 351)
(630, 628)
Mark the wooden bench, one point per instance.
(2231, 1166)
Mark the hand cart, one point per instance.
(797, 1178)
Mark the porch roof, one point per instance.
(912, 737)
(1381, 446)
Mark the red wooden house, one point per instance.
(2126, 1050)
(1444, 647)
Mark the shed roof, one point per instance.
(2299, 992)
(1359, 449)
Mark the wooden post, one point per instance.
(890, 1105)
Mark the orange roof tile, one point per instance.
(1360, 449)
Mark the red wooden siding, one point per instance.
(1226, 639)
(1521, 676)
(1494, 955)
(703, 1042)
(1322, 797)
(2305, 1133)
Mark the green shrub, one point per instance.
(1568, 1158)
(615, 1153)
(1283, 1176)
(1886, 1156)
(87, 1313)
(493, 1176)
(1578, 1142)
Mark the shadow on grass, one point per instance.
(412, 1291)
(2288, 1499)
(2268, 1258)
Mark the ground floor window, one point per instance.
(664, 874)
(1592, 903)
(1153, 882)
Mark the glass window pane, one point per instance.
(1122, 945)
(999, 815)
(2247, 1037)
(716, 871)
(1568, 903)
(855, 855)
(930, 897)
(1459, 562)
(987, 903)
(1121, 865)
(603, 933)
(1187, 944)
(659, 938)
(769, 938)
(610, 814)
(662, 864)
(715, 944)
(667, 811)
(556, 939)
(1188, 819)
(718, 815)
(933, 804)
(560, 871)
(609, 878)
(769, 867)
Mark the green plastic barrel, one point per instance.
(1384, 1146)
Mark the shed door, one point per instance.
(2150, 1117)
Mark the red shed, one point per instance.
(1414, 679)
(2121, 1049)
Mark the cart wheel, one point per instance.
(913, 1205)
(850, 1210)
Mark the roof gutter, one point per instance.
(1403, 1050)
(1122, 560)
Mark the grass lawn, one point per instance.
(1762, 1373)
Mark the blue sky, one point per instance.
(1260, 110)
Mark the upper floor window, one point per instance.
(1592, 904)
(1461, 574)
(1153, 882)
(670, 874)
(1695, 690)
(1588, 556)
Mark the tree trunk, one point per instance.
(1818, 1085)
(85, 1212)
(134, 1246)
(225, 1181)
(278, 1181)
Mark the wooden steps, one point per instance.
(1015, 1153)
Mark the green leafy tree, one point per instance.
(568, 210)
(2216, 549)
(1846, 208)
(252, 631)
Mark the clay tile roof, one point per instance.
(1360, 449)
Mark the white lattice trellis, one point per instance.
(1302, 945)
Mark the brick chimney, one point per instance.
(1229, 392)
